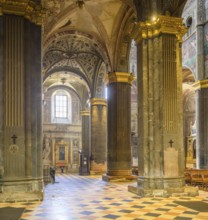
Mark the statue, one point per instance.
(46, 148)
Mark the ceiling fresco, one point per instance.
(88, 38)
(81, 39)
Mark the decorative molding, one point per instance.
(119, 77)
(85, 113)
(98, 101)
(26, 8)
(119, 172)
(201, 84)
(13, 149)
(161, 24)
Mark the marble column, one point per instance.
(160, 115)
(201, 87)
(21, 101)
(201, 124)
(85, 141)
(98, 135)
(85, 131)
(119, 126)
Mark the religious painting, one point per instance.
(189, 54)
(62, 153)
(61, 158)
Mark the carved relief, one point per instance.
(13, 149)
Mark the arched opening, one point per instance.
(62, 121)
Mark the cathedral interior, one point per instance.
(113, 95)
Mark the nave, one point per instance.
(74, 197)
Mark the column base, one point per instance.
(162, 187)
(97, 168)
(108, 178)
(21, 190)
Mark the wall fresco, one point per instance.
(189, 54)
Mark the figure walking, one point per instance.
(52, 174)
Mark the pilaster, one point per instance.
(98, 135)
(119, 129)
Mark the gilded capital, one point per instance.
(26, 8)
(160, 25)
(85, 113)
(98, 101)
(119, 77)
(201, 84)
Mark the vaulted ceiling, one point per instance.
(79, 37)
(89, 38)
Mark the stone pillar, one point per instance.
(160, 115)
(21, 101)
(119, 126)
(98, 135)
(201, 124)
(85, 131)
(85, 140)
(201, 87)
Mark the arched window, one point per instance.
(61, 107)
(189, 25)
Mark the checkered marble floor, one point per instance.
(75, 197)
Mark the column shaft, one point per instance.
(85, 154)
(86, 131)
(98, 135)
(201, 92)
(201, 124)
(119, 126)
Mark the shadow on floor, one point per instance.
(9, 213)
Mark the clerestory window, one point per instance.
(61, 107)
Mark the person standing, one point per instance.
(52, 174)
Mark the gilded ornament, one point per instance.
(201, 84)
(85, 113)
(120, 77)
(160, 25)
(98, 101)
(26, 8)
